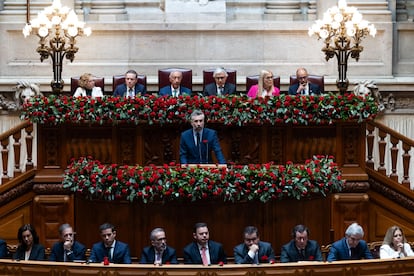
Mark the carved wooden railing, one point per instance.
(11, 142)
(398, 146)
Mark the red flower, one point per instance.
(264, 258)
(220, 263)
(311, 258)
(205, 141)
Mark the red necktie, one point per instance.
(204, 256)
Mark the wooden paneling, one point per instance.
(226, 221)
(49, 212)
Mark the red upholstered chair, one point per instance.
(164, 74)
(252, 80)
(318, 80)
(208, 76)
(120, 79)
(74, 83)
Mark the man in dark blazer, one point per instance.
(197, 144)
(351, 247)
(303, 86)
(175, 89)
(67, 250)
(131, 87)
(117, 252)
(220, 86)
(300, 248)
(253, 251)
(203, 250)
(159, 252)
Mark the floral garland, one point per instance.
(231, 110)
(264, 182)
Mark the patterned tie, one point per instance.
(175, 93)
(158, 258)
(204, 256)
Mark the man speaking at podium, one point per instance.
(196, 144)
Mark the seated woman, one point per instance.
(395, 244)
(87, 87)
(29, 247)
(265, 86)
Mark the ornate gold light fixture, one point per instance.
(342, 29)
(57, 27)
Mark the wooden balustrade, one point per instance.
(384, 134)
(24, 129)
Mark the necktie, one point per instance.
(221, 89)
(158, 258)
(175, 93)
(130, 93)
(204, 256)
(256, 258)
(108, 253)
(198, 139)
(353, 253)
(302, 254)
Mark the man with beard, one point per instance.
(159, 252)
(196, 144)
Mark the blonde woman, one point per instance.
(395, 244)
(87, 87)
(265, 86)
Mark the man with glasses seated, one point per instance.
(350, 247)
(303, 87)
(67, 250)
(253, 250)
(220, 86)
(159, 252)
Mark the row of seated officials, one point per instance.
(178, 81)
(205, 251)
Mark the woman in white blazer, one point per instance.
(395, 244)
(87, 87)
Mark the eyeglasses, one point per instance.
(219, 78)
(303, 78)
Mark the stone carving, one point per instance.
(24, 91)
(369, 88)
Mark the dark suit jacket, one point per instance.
(190, 154)
(121, 89)
(3, 250)
(78, 252)
(290, 252)
(340, 251)
(266, 253)
(192, 253)
(166, 91)
(37, 253)
(314, 89)
(148, 256)
(120, 253)
(211, 89)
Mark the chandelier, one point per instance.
(342, 29)
(57, 27)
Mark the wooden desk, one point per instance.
(363, 267)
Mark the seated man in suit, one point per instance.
(221, 86)
(158, 253)
(203, 250)
(117, 252)
(131, 87)
(67, 250)
(303, 87)
(196, 144)
(351, 247)
(300, 248)
(3, 249)
(253, 250)
(175, 89)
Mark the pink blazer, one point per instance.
(253, 91)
